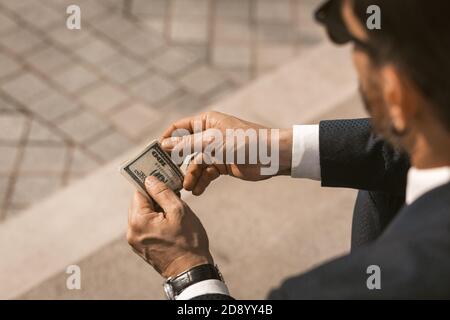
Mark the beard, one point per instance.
(376, 107)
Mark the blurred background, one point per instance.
(76, 103)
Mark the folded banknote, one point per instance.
(153, 161)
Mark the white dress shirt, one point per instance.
(420, 181)
(306, 164)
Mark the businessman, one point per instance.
(399, 159)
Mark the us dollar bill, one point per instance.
(152, 161)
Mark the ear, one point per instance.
(396, 97)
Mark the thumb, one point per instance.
(165, 197)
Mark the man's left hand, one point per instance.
(172, 241)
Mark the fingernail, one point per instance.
(166, 143)
(150, 181)
(170, 142)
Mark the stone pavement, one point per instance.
(70, 101)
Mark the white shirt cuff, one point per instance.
(305, 152)
(212, 286)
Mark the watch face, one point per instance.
(169, 291)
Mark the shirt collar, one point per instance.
(420, 181)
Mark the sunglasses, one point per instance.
(329, 15)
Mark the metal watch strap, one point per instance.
(192, 276)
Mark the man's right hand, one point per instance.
(199, 174)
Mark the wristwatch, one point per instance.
(173, 286)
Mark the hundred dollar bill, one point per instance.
(152, 161)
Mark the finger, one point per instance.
(188, 144)
(184, 124)
(194, 172)
(168, 144)
(209, 174)
(163, 195)
(140, 211)
(184, 144)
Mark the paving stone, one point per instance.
(189, 30)
(240, 76)
(13, 211)
(5, 106)
(4, 184)
(154, 88)
(174, 60)
(305, 8)
(83, 126)
(202, 80)
(95, 51)
(50, 159)
(143, 43)
(14, 5)
(111, 146)
(199, 50)
(72, 177)
(220, 92)
(310, 32)
(52, 106)
(70, 38)
(274, 11)
(48, 59)
(277, 34)
(6, 23)
(40, 16)
(112, 5)
(311, 37)
(40, 133)
(270, 56)
(7, 65)
(60, 4)
(91, 10)
(115, 27)
(238, 31)
(12, 127)
(25, 87)
(75, 78)
(136, 120)
(238, 56)
(81, 162)
(190, 8)
(239, 9)
(32, 189)
(156, 24)
(20, 40)
(183, 105)
(121, 69)
(8, 156)
(103, 98)
(149, 7)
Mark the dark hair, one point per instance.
(415, 37)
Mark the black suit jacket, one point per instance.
(410, 244)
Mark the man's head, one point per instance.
(403, 68)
